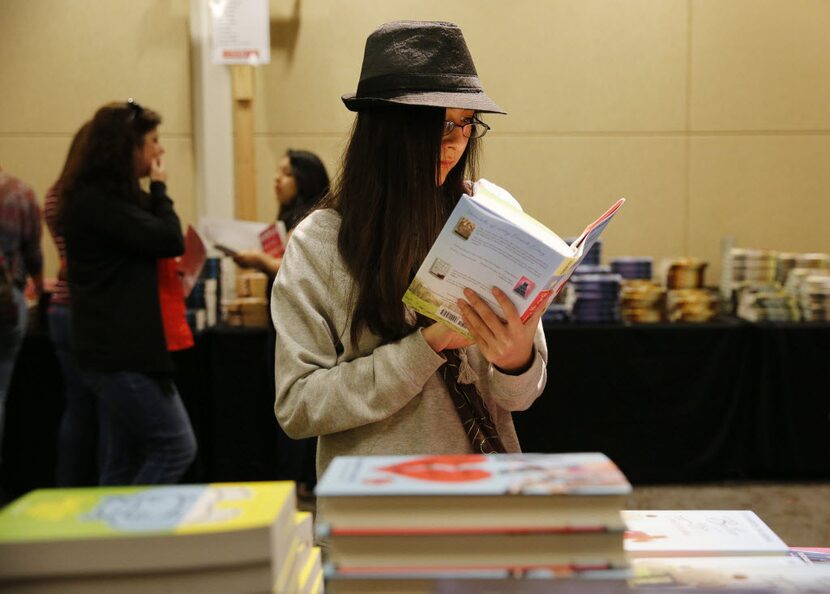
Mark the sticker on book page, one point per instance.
(450, 316)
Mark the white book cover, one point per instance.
(756, 573)
(473, 474)
(231, 236)
(687, 533)
(488, 241)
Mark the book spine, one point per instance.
(540, 299)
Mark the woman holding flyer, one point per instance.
(299, 184)
(353, 364)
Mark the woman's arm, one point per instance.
(155, 232)
(318, 391)
(259, 261)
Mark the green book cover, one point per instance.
(81, 530)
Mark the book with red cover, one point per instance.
(529, 492)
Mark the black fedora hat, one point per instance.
(419, 63)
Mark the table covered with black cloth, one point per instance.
(668, 403)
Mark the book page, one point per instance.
(193, 260)
(479, 249)
(233, 235)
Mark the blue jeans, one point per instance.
(146, 436)
(77, 463)
(10, 341)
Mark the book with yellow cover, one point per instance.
(63, 533)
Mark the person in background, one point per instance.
(78, 433)
(20, 257)
(354, 366)
(115, 234)
(300, 182)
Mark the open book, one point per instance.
(231, 236)
(489, 242)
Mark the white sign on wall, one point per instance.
(241, 32)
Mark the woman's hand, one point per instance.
(507, 344)
(259, 260)
(157, 170)
(441, 338)
(248, 259)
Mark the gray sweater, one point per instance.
(370, 398)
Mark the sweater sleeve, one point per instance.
(318, 390)
(154, 232)
(518, 392)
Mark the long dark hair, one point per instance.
(106, 153)
(73, 154)
(312, 184)
(392, 208)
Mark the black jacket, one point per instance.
(113, 241)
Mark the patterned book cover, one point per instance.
(99, 529)
(472, 474)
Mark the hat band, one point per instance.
(391, 85)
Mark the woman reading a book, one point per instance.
(354, 366)
(300, 182)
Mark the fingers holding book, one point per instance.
(506, 343)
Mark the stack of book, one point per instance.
(731, 549)
(400, 523)
(302, 571)
(224, 537)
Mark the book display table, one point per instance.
(687, 402)
(666, 402)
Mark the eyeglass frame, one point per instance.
(452, 126)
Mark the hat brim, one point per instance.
(475, 101)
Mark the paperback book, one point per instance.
(183, 535)
(231, 236)
(689, 533)
(578, 491)
(488, 241)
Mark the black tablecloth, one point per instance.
(668, 403)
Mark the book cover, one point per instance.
(231, 236)
(193, 260)
(154, 528)
(310, 573)
(687, 533)
(811, 555)
(488, 241)
(755, 573)
(273, 239)
(473, 474)
(473, 493)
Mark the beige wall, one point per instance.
(62, 59)
(710, 116)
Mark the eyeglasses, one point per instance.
(135, 109)
(473, 129)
